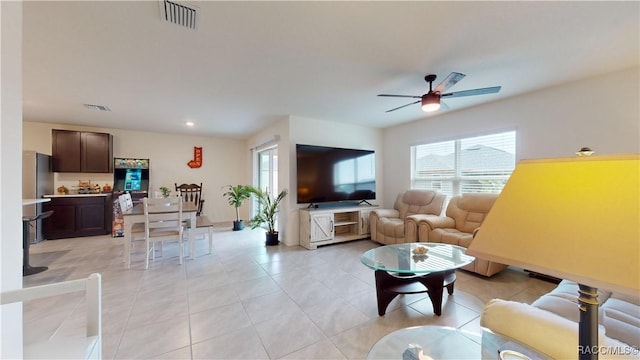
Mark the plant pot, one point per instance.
(271, 238)
(238, 225)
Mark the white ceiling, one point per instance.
(249, 63)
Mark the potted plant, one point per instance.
(236, 195)
(165, 191)
(266, 216)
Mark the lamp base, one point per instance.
(588, 327)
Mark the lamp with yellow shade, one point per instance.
(570, 218)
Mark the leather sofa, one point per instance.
(550, 324)
(388, 225)
(464, 215)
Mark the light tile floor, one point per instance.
(246, 300)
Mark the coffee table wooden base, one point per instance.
(389, 285)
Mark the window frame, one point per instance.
(457, 178)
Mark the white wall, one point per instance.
(276, 134)
(297, 130)
(10, 184)
(224, 161)
(601, 112)
(327, 133)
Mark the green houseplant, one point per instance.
(267, 213)
(165, 191)
(236, 195)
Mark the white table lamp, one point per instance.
(572, 218)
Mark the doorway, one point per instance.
(267, 170)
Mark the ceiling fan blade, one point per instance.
(444, 106)
(449, 81)
(400, 107)
(482, 91)
(402, 96)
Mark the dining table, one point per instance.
(136, 215)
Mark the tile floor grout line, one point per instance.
(186, 289)
(62, 323)
(253, 325)
(126, 322)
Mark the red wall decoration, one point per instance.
(197, 158)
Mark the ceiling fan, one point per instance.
(431, 100)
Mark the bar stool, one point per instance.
(26, 222)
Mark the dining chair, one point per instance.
(163, 222)
(126, 202)
(191, 193)
(137, 229)
(204, 228)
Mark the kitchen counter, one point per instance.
(75, 195)
(34, 201)
(77, 215)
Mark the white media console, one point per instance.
(325, 226)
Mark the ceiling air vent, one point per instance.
(179, 14)
(97, 107)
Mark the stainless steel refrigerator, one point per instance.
(37, 180)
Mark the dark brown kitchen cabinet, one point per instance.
(75, 216)
(81, 151)
(65, 150)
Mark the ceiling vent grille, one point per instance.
(179, 14)
(97, 107)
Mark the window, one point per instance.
(266, 164)
(471, 165)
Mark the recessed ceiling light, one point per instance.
(189, 123)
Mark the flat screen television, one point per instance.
(330, 174)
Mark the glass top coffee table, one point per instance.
(401, 269)
(442, 342)
(427, 342)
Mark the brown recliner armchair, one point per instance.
(464, 215)
(388, 225)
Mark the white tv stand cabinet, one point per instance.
(323, 226)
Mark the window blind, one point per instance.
(469, 165)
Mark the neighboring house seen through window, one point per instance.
(480, 164)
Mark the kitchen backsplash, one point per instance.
(72, 180)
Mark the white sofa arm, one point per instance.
(89, 347)
(544, 331)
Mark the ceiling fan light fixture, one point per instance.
(430, 102)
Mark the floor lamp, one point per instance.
(572, 218)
